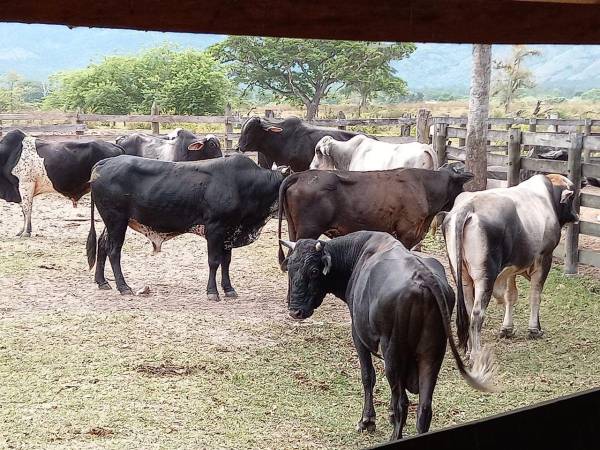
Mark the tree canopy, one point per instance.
(182, 82)
(305, 71)
(17, 93)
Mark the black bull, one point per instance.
(400, 305)
(226, 200)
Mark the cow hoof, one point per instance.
(126, 291)
(213, 297)
(534, 334)
(507, 333)
(26, 234)
(366, 425)
(104, 286)
(231, 294)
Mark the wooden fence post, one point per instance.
(228, 128)
(269, 114)
(553, 128)
(439, 142)
(587, 131)
(404, 127)
(513, 174)
(341, 116)
(572, 231)
(154, 111)
(423, 124)
(462, 141)
(78, 121)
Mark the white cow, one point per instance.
(362, 153)
(494, 235)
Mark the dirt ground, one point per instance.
(84, 368)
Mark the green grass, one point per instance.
(138, 380)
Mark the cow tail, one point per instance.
(481, 376)
(287, 182)
(462, 316)
(91, 245)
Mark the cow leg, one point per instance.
(101, 262)
(483, 294)
(538, 278)
(26, 190)
(215, 244)
(114, 244)
(510, 298)
(399, 400)
(428, 373)
(367, 373)
(225, 281)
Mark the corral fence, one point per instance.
(511, 151)
(511, 142)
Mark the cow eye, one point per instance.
(314, 272)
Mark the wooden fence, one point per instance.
(508, 152)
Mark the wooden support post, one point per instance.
(155, 112)
(423, 124)
(514, 157)
(78, 121)
(341, 116)
(587, 131)
(228, 129)
(439, 142)
(269, 114)
(553, 128)
(572, 231)
(462, 141)
(532, 124)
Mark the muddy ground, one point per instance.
(84, 368)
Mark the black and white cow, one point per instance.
(400, 306)
(226, 200)
(181, 145)
(494, 235)
(31, 166)
(290, 142)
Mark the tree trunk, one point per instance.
(479, 105)
(311, 110)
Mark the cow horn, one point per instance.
(318, 246)
(289, 244)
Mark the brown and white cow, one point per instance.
(31, 166)
(362, 153)
(492, 236)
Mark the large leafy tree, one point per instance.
(511, 76)
(17, 94)
(305, 71)
(183, 82)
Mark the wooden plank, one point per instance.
(38, 116)
(590, 170)
(544, 165)
(455, 153)
(350, 122)
(395, 139)
(455, 132)
(546, 139)
(561, 122)
(36, 129)
(590, 201)
(591, 143)
(589, 257)
(167, 118)
(589, 228)
(497, 135)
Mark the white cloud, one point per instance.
(16, 54)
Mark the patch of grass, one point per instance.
(140, 380)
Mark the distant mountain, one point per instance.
(37, 51)
(447, 66)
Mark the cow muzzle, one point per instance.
(300, 314)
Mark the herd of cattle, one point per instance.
(375, 200)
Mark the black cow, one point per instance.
(181, 145)
(31, 166)
(290, 142)
(226, 200)
(400, 305)
(562, 154)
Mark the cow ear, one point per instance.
(196, 146)
(274, 129)
(566, 195)
(284, 265)
(326, 258)
(465, 177)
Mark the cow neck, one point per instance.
(345, 252)
(341, 156)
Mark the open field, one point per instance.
(83, 368)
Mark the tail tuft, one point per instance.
(482, 373)
(91, 244)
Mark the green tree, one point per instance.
(512, 78)
(183, 82)
(16, 93)
(305, 71)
